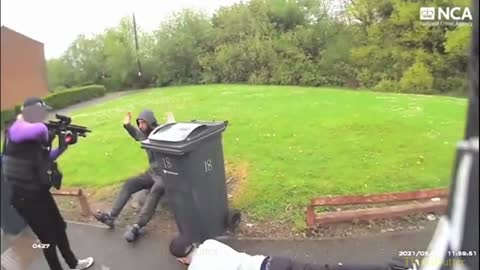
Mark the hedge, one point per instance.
(62, 99)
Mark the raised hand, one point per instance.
(128, 118)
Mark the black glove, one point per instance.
(62, 143)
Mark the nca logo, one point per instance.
(427, 13)
(445, 13)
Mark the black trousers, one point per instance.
(283, 263)
(40, 212)
(133, 185)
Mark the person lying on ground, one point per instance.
(149, 180)
(214, 255)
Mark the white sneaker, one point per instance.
(84, 264)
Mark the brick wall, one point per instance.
(23, 68)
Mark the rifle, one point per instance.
(64, 126)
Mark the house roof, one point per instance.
(4, 28)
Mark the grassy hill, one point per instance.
(286, 144)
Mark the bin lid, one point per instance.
(176, 132)
(179, 138)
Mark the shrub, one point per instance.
(59, 89)
(66, 98)
(452, 85)
(387, 86)
(417, 79)
(6, 116)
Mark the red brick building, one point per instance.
(23, 68)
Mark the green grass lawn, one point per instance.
(292, 143)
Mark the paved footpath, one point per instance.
(150, 252)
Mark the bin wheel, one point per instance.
(233, 218)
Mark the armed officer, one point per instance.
(29, 165)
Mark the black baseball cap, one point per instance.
(181, 246)
(35, 101)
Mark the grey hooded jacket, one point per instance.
(138, 135)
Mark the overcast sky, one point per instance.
(57, 23)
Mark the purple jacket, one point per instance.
(21, 131)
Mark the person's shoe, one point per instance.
(105, 219)
(132, 233)
(84, 264)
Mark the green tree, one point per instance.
(417, 79)
(120, 57)
(375, 44)
(60, 74)
(84, 58)
(180, 42)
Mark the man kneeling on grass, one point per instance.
(149, 180)
(214, 255)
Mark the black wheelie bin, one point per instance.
(190, 159)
